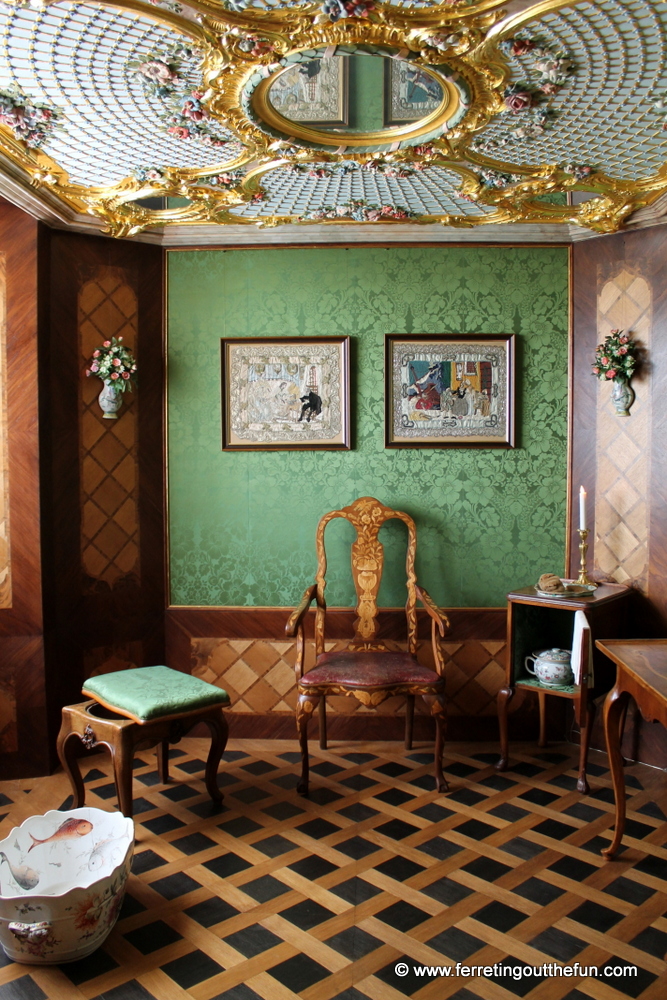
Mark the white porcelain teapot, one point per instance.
(553, 667)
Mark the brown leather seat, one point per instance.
(367, 670)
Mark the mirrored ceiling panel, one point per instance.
(356, 97)
(356, 94)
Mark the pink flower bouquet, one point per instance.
(615, 359)
(114, 364)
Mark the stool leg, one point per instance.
(70, 764)
(217, 725)
(162, 753)
(122, 753)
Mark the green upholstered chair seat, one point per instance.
(153, 692)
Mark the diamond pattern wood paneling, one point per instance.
(623, 444)
(108, 659)
(5, 551)
(259, 675)
(8, 727)
(107, 307)
(271, 896)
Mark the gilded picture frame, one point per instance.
(285, 393)
(449, 391)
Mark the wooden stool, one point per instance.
(138, 709)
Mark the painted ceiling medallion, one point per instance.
(264, 112)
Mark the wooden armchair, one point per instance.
(367, 670)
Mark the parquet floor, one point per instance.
(272, 896)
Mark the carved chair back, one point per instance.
(367, 516)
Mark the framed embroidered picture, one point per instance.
(449, 391)
(314, 92)
(285, 393)
(410, 92)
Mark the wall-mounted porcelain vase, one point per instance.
(62, 882)
(552, 667)
(110, 400)
(623, 396)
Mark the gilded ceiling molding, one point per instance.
(474, 145)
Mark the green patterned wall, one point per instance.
(242, 524)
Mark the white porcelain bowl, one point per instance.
(62, 882)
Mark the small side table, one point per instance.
(535, 623)
(641, 673)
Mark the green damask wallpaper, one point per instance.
(242, 524)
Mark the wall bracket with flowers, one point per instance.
(114, 364)
(615, 362)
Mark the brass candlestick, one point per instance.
(584, 579)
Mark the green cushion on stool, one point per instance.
(152, 692)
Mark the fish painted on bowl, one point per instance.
(23, 875)
(66, 831)
(105, 851)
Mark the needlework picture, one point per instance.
(410, 93)
(314, 92)
(285, 393)
(447, 390)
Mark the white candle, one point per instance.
(582, 509)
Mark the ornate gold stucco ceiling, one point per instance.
(145, 114)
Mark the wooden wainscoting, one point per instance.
(104, 551)
(22, 673)
(621, 282)
(245, 650)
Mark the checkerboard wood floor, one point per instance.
(271, 895)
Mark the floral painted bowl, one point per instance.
(62, 882)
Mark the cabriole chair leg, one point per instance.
(409, 720)
(305, 706)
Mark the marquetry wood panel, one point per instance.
(623, 445)
(22, 671)
(109, 460)
(621, 281)
(103, 479)
(5, 552)
(18, 242)
(8, 715)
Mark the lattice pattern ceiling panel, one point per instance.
(428, 192)
(605, 115)
(139, 102)
(76, 56)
